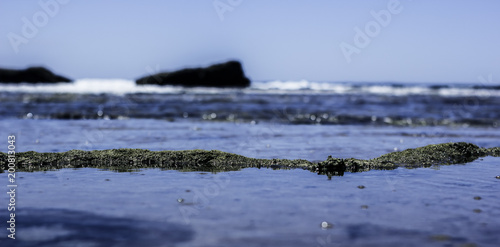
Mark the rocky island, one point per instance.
(30, 75)
(228, 74)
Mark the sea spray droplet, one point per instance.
(326, 225)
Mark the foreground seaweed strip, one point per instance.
(495, 152)
(129, 159)
(202, 160)
(438, 154)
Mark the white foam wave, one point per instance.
(103, 86)
(351, 88)
(121, 87)
(89, 86)
(296, 85)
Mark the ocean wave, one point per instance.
(304, 86)
(122, 87)
(88, 86)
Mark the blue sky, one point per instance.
(423, 41)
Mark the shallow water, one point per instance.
(276, 102)
(260, 207)
(261, 140)
(252, 207)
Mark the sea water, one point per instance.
(453, 205)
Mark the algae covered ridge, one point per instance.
(217, 161)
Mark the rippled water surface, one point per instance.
(455, 205)
(276, 102)
(260, 140)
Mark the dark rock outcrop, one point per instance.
(30, 75)
(229, 74)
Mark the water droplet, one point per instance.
(29, 115)
(213, 115)
(99, 113)
(325, 225)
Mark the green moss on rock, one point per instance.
(437, 154)
(125, 159)
(495, 152)
(203, 160)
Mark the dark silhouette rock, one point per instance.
(229, 74)
(30, 75)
